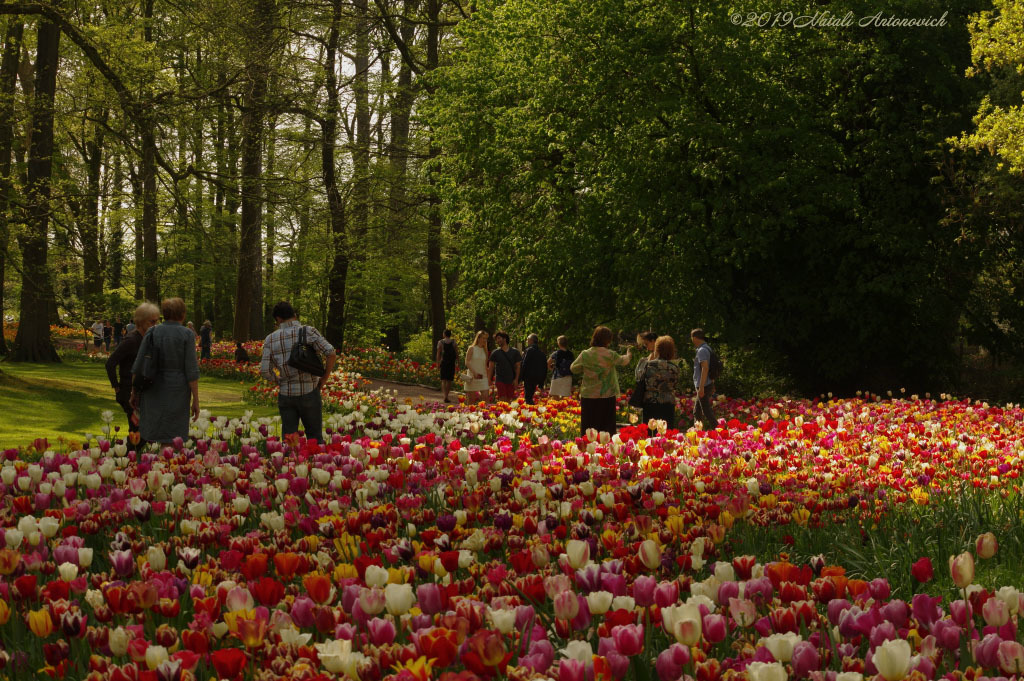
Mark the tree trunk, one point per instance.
(115, 246)
(89, 222)
(199, 257)
(33, 343)
(435, 281)
(8, 80)
(398, 159)
(268, 295)
(147, 125)
(248, 293)
(334, 327)
(139, 270)
(358, 299)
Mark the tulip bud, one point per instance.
(986, 545)
(650, 554)
(961, 569)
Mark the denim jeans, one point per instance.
(306, 408)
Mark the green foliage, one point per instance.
(656, 166)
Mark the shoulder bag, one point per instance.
(636, 399)
(304, 356)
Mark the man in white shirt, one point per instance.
(97, 336)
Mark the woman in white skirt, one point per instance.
(475, 377)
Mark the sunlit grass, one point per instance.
(65, 400)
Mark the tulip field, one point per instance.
(829, 540)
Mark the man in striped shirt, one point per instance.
(299, 392)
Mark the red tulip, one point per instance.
(922, 570)
(229, 662)
(485, 653)
(439, 644)
(267, 591)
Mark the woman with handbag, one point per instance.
(600, 385)
(657, 378)
(560, 363)
(166, 376)
(475, 378)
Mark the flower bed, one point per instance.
(411, 548)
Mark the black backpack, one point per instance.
(304, 356)
(715, 365)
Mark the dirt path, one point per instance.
(418, 394)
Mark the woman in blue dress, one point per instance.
(164, 406)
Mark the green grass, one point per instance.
(65, 400)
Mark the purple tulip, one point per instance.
(122, 562)
(897, 612)
(882, 633)
(539, 657)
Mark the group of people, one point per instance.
(504, 368)
(104, 333)
(154, 372)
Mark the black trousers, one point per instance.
(662, 411)
(123, 398)
(597, 413)
(529, 388)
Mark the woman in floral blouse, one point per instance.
(600, 384)
(661, 376)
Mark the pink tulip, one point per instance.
(666, 594)
(995, 612)
(671, 661)
(567, 605)
(571, 670)
(629, 639)
(947, 634)
(428, 597)
(805, 659)
(302, 612)
(1011, 657)
(643, 590)
(986, 651)
(743, 612)
(715, 628)
(382, 631)
(618, 663)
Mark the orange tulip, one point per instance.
(286, 564)
(319, 587)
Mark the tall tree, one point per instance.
(8, 80)
(32, 343)
(334, 329)
(261, 45)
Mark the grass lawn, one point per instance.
(54, 400)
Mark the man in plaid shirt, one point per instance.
(299, 392)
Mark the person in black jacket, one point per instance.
(535, 368)
(123, 357)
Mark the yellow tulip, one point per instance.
(5, 612)
(40, 623)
